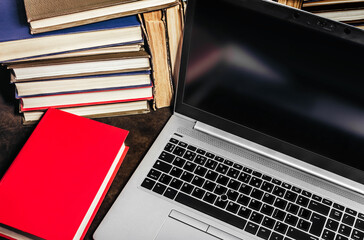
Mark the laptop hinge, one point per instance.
(280, 157)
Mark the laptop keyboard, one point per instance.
(247, 199)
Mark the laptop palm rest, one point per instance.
(183, 227)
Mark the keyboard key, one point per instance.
(276, 236)
(297, 190)
(170, 193)
(189, 155)
(165, 179)
(211, 164)
(154, 174)
(192, 148)
(357, 235)
(179, 162)
(257, 194)
(332, 225)
(276, 181)
(201, 160)
(290, 196)
(232, 207)
(297, 234)
(219, 190)
(167, 157)
(209, 186)
(189, 166)
(278, 191)
(232, 195)
(317, 198)
(327, 202)
(251, 228)
(351, 211)
(247, 170)
(255, 182)
(186, 176)
(187, 188)
(267, 178)
(176, 172)
(233, 173)
(182, 144)
(220, 203)
(280, 203)
(238, 166)
(176, 183)
(221, 168)
(303, 225)
(256, 217)
(281, 227)
(304, 213)
(302, 201)
(318, 222)
(264, 233)
(306, 194)
(200, 171)
(268, 198)
(211, 210)
(159, 188)
(255, 204)
(267, 209)
(198, 192)
(268, 222)
(328, 235)
(341, 237)
(169, 147)
(209, 155)
(359, 224)
(292, 208)
(286, 185)
(162, 166)
(148, 183)
(339, 207)
(266, 186)
(179, 151)
(244, 177)
(348, 219)
(201, 151)
(219, 159)
(336, 214)
(233, 184)
(211, 175)
(345, 230)
(173, 140)
(244, 212)
(223, 180)
(257, 174)
(245, 189)
(243, 199)
(291, 220)
(319, 207)
(279, 214)
(197, 181)
(228, 162)
(209, 197)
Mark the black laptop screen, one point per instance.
(287, 86)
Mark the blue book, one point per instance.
(16, 42)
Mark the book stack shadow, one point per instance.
(90, 58)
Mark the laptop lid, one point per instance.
(277, 76)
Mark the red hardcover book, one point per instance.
(56, 184)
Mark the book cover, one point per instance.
(83, 84)
(86, 98)
(59, 178)
(15, 34)
(80, 66)
(45, 15)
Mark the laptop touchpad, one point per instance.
(177, 230)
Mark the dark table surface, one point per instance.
(143, 129)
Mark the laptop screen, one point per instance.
(279, 77)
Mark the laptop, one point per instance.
(266, 140)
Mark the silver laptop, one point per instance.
(267, 136)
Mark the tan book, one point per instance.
(157, 41)
(175, 24)
(292, 3)
(80, 66)
(49, 15)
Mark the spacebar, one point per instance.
(210, 210)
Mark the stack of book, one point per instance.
(90, 57)
(347, 11)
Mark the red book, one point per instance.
(56, 184)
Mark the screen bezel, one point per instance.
(295, 16)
